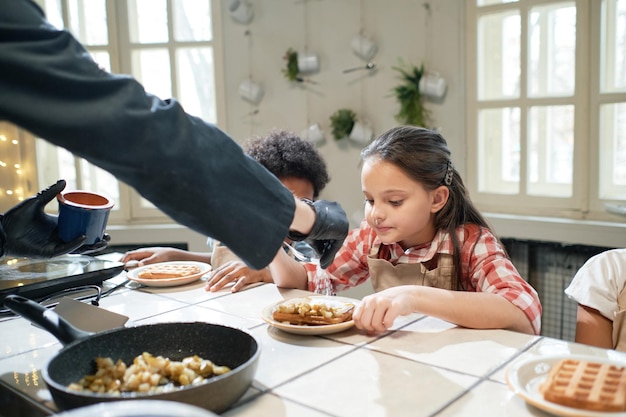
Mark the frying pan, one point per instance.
(222, 345)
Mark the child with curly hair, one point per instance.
(298, 165)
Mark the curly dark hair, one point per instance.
(284, 154)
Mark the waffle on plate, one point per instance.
(586, 385)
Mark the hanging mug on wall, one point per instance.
(251, 91)
(363, 47)
(361, 132)
(432, 85)
(313, 134)
(240, 11)
(308, 62)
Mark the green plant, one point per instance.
(342, 122)
(291, 71)
(412, 110)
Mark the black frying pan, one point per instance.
(221, 344)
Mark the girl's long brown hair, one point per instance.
(424, 155)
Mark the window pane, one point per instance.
(613, 46)
(103, 59)
(490, 2)
(98, 180)
(53, 12)
(552, 50)
(88, 21)
(192, 20)
(499, 56)
(152, 68)
(613, 151)
(499, 150)
(551, 150)
(147, 21)
(197, 82)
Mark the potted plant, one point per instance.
(342, 122)
(291, 71)
(412, 110)
(299, 63)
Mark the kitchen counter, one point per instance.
(423, 366)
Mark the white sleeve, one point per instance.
(599, 281)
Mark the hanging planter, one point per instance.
(341, 122)
(412, 110)
(298, 64)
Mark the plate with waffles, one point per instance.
(313, 315)
(169, 274)
(571, 385)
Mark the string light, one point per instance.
(13, 167)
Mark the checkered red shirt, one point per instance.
(485, 265)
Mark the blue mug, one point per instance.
(83, 213)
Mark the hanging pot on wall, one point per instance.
(363, 47)
(251, 91)
(313, 134)
(308, 62)
(240, 11)
(432, 85)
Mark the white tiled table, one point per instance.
(423, 367)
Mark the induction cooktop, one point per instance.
(38, 278)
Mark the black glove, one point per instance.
(100, 245)
(26, 230)
(329, 230)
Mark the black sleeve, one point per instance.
(190, 169)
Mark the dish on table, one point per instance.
(133, 274)
(267, 315)
(525, 376)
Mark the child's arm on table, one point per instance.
(477, 310)
(287, 272)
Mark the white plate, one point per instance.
(168, 282)
(524, 378)
(267, 314)
(138, 408)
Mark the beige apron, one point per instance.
(221, 254)
(384, 274)
(619, 323)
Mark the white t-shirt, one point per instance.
(598, 283)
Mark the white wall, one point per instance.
(402, 29)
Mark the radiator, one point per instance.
(549, 267)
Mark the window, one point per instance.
(547, 106)
(168, 45)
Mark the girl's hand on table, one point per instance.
(237, 272)
(146, 256)
(377, 312)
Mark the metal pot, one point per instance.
(223, 345)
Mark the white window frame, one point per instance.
(584, 204)
(131, 207)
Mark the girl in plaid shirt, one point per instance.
(423, 244)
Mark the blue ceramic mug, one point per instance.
(83, 213)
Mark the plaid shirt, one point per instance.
(485, 265)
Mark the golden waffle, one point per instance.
(169, 271)
(312, 312)
(586, 385)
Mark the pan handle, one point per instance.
(60, 328)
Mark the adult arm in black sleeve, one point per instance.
(188, 168)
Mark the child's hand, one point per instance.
(237, 272)
(146, 256)
(377, 312)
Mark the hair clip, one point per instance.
(449, 173)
